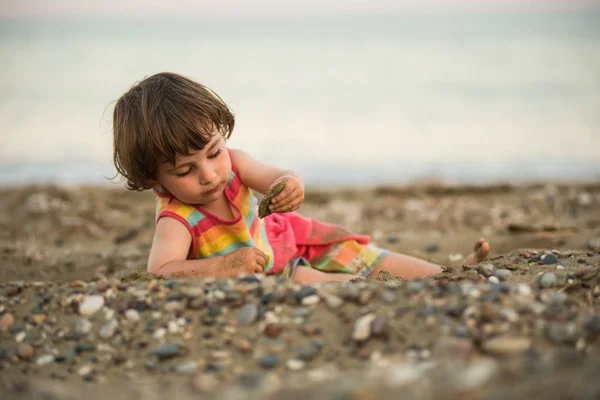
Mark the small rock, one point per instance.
(486, 270)
(548, 280)
(432, 247)
(159, 333)
(592, 326)
(85, 370)
(132, 315)
(186, 367)
(243, 345)
(294, 364)
(379, 327)
(6, 321)
(593, 244)
(248, 314)
(81, 347)
(167, 351)
(387, 297)
(19, 337)
(494, 279)
(269, 361)
(91, 304)
(362, 328)
(304, 291)
(272, 330)
(25, 351)
(506, 345)
(307, 353)
(109, 329)
(549, 259)
(333, 302)
(45, 359)
(310, 300)
(502, 274)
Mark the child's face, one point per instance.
(199, 178)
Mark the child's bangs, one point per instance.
(183, 140)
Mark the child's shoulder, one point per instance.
(166, 202)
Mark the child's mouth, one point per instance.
(214, 190)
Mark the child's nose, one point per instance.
(207, 174)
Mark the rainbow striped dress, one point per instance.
(287, 239)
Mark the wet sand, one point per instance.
(77, 311)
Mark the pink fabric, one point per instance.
(292, 235)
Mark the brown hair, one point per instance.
(160, 117)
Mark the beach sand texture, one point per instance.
(79, 317)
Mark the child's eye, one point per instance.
(182, 174)
(215, 154)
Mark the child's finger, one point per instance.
(294, 205)
(285, 193)
(285, 201)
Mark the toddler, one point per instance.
(170, 135)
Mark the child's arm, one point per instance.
(170, 248)
(260, 178)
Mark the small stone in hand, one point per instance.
(263, 208)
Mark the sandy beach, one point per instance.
(78, 317)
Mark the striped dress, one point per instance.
(287, 239)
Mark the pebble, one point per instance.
(308, 353)
(45, 359)
(269, 361)
(294, 364)
(362, 328)
(387, 297)
(159, 333)
(83, 326)
(454, 257)
(91, 304)
(549, 259)
(304, 291)
(109, 329)
(84, 370)
(502, 274)
(6, 321)
(243, 345)
(310, 300)
(132, 315)
(486, 270)
(548, 280)
(186, 367)
(592, 325)
(272, 330)
(333, 302)
(379, 327)
(166, 351)
(593, 244)
(25, 351)
(494, 279)
(248, 314)
(506, 345)
(19, 337)
(432, 247)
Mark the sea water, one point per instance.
(474, 97)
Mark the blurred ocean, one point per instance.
(348, 100)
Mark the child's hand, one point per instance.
(291, 196)
(246, 260)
